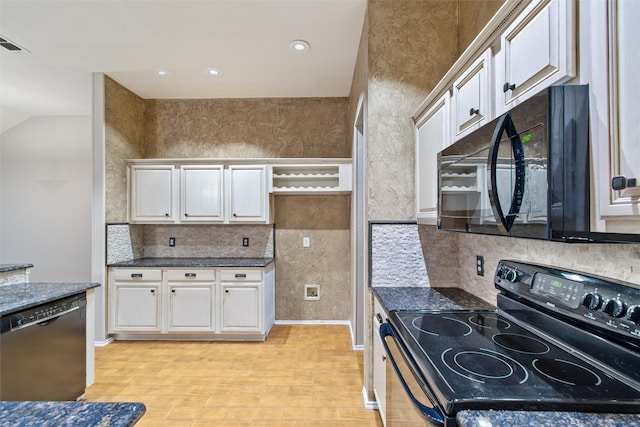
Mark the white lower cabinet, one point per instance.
(135, 300)
(191, 300)
(379, 363)
(207, 303)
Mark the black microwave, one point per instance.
(525, 174)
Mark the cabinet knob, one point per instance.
(622, 182)
(167, 215)
(474, 111)
(235, 215)
(186, 214)
(153, 291)
(173, 291)
(226, 291)
(507, 87)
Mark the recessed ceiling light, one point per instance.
(162, 72)
(213, 72)
(299, 46)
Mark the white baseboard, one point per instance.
(368, 404)
(103, 343)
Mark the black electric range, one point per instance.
(559, 340)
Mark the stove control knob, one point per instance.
(511, 275)
(615, 308)
(592, 301)
(633, 314)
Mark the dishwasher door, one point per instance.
(44, 360)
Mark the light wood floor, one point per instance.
(302, 376)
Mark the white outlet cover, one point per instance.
(311, 292)
(306, 242)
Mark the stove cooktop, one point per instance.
(479, 360)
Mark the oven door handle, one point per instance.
(387, 330)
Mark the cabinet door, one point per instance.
(241, 308)
(379, 365)
(152, 193)
(202, 193)
(136, 307)
(248, 201)
(471, 95)
(620, 157)
(537, 50)
(191, 307)
(432, 136)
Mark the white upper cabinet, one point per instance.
(153, 194)
(537, 50)
(202, 193)
(432, 136)
(615, 61)
(248, 194)
(472, 105)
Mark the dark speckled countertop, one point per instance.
(419, 298)
(20, 296)
(13, 267)
(194, 262)
(70, 414)
(544, 419)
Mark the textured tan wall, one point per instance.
(412, 43)
(234, 128)
(326, 221)
(473, 15)
(124, 124)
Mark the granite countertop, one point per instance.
(538, 419)
(13, 267)
(20, 296)
(421, 298)
(194, 262)
(68, 414)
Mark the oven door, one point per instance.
(409, 401)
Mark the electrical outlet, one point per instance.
(480, 265)
(245, 241)
(306, 242)
(312, 292)
(172, 241)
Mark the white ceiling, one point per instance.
(248, 40)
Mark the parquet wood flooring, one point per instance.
(302, 376)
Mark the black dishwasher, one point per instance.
(43, 351)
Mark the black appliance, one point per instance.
(43, 351)
(525, 174)
(559, 340)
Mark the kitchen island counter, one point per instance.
(194, 262)
(4, 268)
(63, 414)
(538, 418)
(20, 296)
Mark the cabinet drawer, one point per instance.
(241, 275)
(136, 274)
(192, 275)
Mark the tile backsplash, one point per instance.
(396, 255)
(128, 241)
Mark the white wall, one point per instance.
(46, 197)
